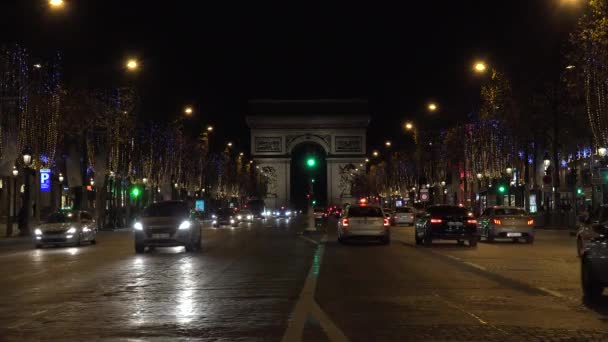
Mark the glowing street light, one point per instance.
(61, 178)
(15, 171)
(241, 154)
(209, 128)
(480, 67)
(132, 64)
(602, 151)
(188, 110)
(409, 126)
(56, 4)
(229, 144)
(388, 143)
(433, 107)
(375, 153)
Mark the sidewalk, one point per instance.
(15, 239)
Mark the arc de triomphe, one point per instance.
(339, 127)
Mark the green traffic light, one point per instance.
(501, 189)
(312, 180)
(311, 162)
(314, 202)
(579, 191)
(135, 192)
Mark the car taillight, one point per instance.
(386, 223)
(472, 221)
(345, 222)
(497, 221)
(396, 217)
(530, 222)
(436, 220)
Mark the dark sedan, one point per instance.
(167, 224)
(446, 222)
(225, 217)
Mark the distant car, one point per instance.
(594, 263)
(244, 215)
(587, 229)
(503, 222)
(446, 222)
(283, 212)
(167, 224)
(72, 227)
(225, 217)
(403, 215)
(362, 221)
(319, 213)
(257, 207)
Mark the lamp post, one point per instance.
(26, 205)
(12, 213)
(443, 192)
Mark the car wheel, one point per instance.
(428, 240)
(530, 240)
(592, 289)
(79, 242)
(140, 248)
(460, 242)
(93, 242)
(515, 240)
(385, 240)
(190, 247)
(473, 242)
(418, 240)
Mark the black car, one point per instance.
(225, 217)
(446, 222)
(167, 224)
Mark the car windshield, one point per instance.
(319, 210)
(403, 210)
(509, 211)
(365, 212)
(61, 217)
(448, 211)
(225, 212)
(167, 209)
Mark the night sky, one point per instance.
(219, 57)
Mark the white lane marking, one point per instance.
(306, 306)
(551, 292)
(475, 266)
(479, 319)
(309, 239)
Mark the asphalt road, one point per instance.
(268, 282)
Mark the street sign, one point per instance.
(424, 195)
(45, 180)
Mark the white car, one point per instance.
(404, 215)
(244, 215)
(72, 227)
(362, 221)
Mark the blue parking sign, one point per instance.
(45, 180)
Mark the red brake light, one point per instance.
(472, 221)
(436, 220)
(345, 222)
(386, 223)
(530, 222)
(396, 216)
(497, 221)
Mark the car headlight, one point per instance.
(231, 220)
(288, 213)
(213, 216)
(185, 225)
(72, 230)
(138, 226)
(38, 231)
(86, 229)
(239, 217)
(249, 217)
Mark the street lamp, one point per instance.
(388, 143)
(367, 160)
(480, 67)
(144, 180)
(442, 183)
(229, 144)
(92, 182)
(61, 178)
(56, 4)
(479, 176)
(188, 110)
(375, 153)
(132, 64)
(241, 154)
(509, 171)
(15, 171)
(27, 158)
(546, 160)
(432, 107)
(209, 128)
(601, 151)
(409, 126)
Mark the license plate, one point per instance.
(455, 224)
(513, 234)
(160, 236)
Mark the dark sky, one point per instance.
(219, 56)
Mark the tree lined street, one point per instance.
(246, 283)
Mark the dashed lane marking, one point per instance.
(306, 305)
(309, 239)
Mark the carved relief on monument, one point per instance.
(289, 139)
(349, 144)
(268, 144)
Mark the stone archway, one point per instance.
(285, 125)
